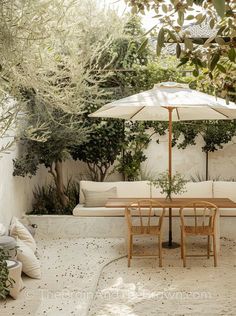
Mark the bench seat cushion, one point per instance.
(203, 189)
(81, 210)
(227, 212)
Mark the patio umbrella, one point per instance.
(169, 101)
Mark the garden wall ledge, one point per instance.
(69, 226)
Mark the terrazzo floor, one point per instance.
(89, 276)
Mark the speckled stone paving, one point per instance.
(89, 276)
(144, 289)
(70, 270)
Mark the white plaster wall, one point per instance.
(191, 161)
(223, 162)
(15, 192)
(77, 170)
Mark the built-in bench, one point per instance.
(143, 189)
(105, 222)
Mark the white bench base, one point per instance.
(107, 227)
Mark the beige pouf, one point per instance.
(15, 269)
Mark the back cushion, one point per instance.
(193, 189)
(98, 198)
(156, 192)
(202, 189)
(224, 189)
(139, 189)
(136, 189)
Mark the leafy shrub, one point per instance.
(5, 281)
(46, 199)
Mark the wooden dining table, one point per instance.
(177, 203)
(221, 203)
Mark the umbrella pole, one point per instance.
(169, 243)
(170, 172)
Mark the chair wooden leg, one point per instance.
(160, 251)
(181, 245)
(184, 251)
(131, 246)
(215, 250)
(129, 249)
(208, 247)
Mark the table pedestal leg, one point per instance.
(170, 244)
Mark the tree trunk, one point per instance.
(64, 200)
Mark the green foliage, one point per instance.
(62, 130)
(187, 132)
(61, 82)
(107, 136)
(214, 133)
(26, 37)
(102, 148)
(217, 133)
(124, 52)
(136, 140)
(211, 56)
(139, 134)
(144, 77)
(169, 185)
(51, 48)
(46, 199)
(5, 281)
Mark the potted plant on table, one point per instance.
(170, 185)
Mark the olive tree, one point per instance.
(60, 79)
(107, 136)
(24, 25)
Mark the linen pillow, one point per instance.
(3, 230)
(98, 198)
(17, 229)
(30, 264)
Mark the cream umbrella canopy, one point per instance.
(169, 101)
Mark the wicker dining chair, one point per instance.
(138, 216)
(200, 220)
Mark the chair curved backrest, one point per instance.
(144, 210)
(202, 214)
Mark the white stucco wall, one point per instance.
(16, 193)
(191, 161)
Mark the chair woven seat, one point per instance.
(192, 230)
(145, 230)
